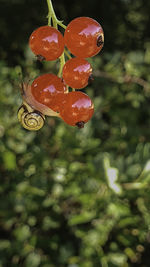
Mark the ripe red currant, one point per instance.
(77, 109)
(84, 37)
(47, 43)
(76, 72)
(48, 89)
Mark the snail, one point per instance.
(31, 113)
(30, 119)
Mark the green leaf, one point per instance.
(84, 217)
(9, 159)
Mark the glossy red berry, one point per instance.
(47, 43)
(84, 37)
(77, 109)
(76, 72)
(48, 89)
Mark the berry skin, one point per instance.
(77, 109)
(84, 37)
(49, 90)
(47, 43)
(76, 72)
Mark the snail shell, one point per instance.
(30, 119)
(31, 113)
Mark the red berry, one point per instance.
(84, 37)
(76, 72)
(47, 43)
(48, 89)
(77, 109)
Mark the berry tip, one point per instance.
(40, 58)
(80, 124)
(90, 79)
(100, 41)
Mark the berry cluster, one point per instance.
(84, 38)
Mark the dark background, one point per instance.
(69, 197)
(125, 22)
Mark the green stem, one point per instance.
(62, 63)
(56, 22)
(49, 12)
(52, 15)
(67, 54)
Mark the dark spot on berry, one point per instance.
(40, 58)
(80, 124)
(100, 41)
(90, 79)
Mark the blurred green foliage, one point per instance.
(69, 197)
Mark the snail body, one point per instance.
(31, 113)
(34, 104)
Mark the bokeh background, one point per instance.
(69, 197)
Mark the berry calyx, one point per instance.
(84, 37)
(40, 58)
(80, 124)
(77, 109)
(100, 41)
(76, 72)
(49, 90)
(47, 43)
(91, 79)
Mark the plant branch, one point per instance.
(124, 79)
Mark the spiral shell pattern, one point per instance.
(32, 121)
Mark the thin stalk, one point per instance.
(62, 63)
(56, 22)
(52, 15)
(67, 54)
